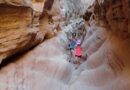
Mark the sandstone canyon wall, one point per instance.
(45, 67)
(19, 26)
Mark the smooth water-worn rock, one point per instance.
(45, 64)
(106, 46)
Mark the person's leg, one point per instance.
(78, 60)
(74, 60)
(70, 55)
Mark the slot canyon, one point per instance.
(34, 39)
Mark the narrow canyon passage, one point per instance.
(34, 39)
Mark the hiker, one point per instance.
(72, 45)
(72, 41)
(78, 51)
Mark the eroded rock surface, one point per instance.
(19, 27)
(106, 46)
(45, 64)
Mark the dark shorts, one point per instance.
(78, 56)
(71, 48)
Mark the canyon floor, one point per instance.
(34, 54)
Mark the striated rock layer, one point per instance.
(106, 47)
(19, 28)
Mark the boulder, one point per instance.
(19, 29)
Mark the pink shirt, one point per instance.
(78, 50)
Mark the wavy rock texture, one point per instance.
(19, 29)
(17, 2)
(44, 65)
(108, 51)
(106, 44)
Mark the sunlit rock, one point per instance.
(19, 29)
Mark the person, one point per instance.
(78, 51)
(72, 45)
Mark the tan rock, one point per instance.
(17, 2)
(17, 30)
(107, 67)
(44, 65)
